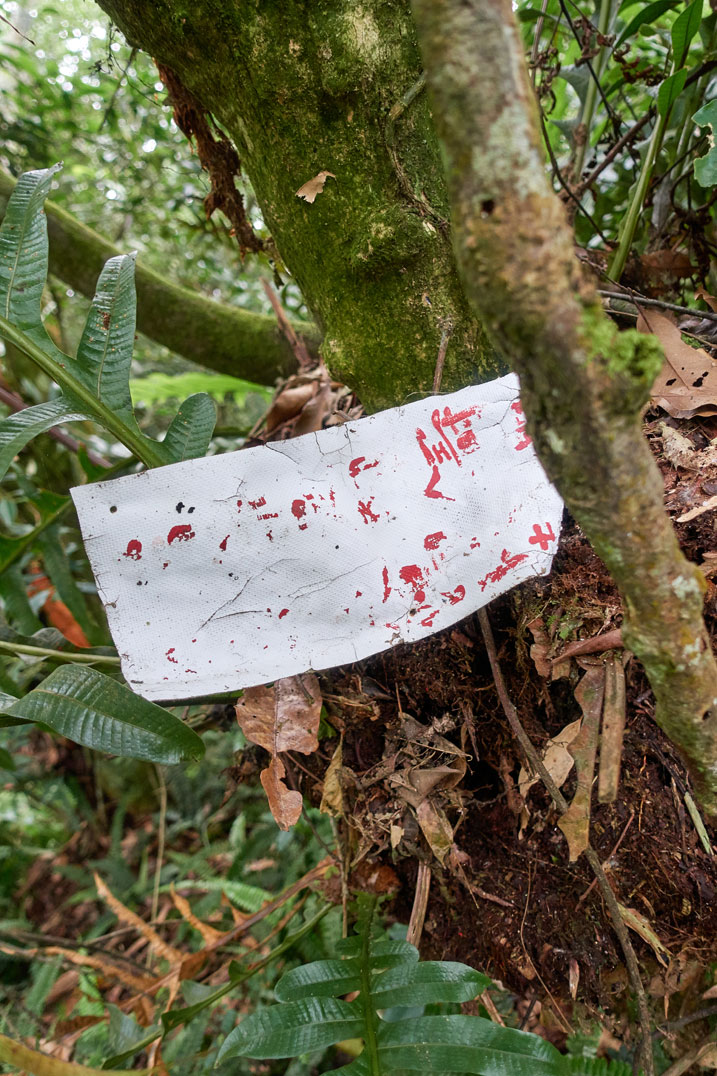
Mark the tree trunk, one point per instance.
(303, 88)
(582, 382)
(336, 86)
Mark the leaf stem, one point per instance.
(629, 221)
(58, 655)
(369, 1014)
(133, 439)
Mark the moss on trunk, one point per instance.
(305, 87)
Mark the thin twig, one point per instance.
(566, 186)
(591, 855)
(617, 844)
(640, 300)
(441, 359)
(115, 92)
(612, 154)
(161, 837)
(295, 342)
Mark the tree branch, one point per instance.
(583, 382)
(214, 335)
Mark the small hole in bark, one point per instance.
(486, 207)
(113, 508)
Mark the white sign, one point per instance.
(236, 570)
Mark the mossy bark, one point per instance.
(214, 335)
(583, 382)
(303, 87)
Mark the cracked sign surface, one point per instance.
(236, 570)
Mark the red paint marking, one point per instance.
(475, 543)
(194, 640)
(428, 620)
(165, 565)
(413, 575)
(168, 656)
(386, 587)
(258, 504)
(181, 533)
(507, 563)
(346, 610)
(134, 550)
(366, 512)
(332, 497)
(223, 544)
(298, 509)
(355, 467)
(270, 536)
(239, 504)
(456, 596)
(520, 426)
(359, 593)
(432, 541)
(394, 627)
(446, 449)
(283, 613)
(431, 491)
(269, 515)
(542, 538)
(191, 671)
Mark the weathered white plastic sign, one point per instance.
(235, 570)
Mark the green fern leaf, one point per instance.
(104, 354)
(95, 383)
(191, 430)
(19, 429)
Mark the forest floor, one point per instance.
(433, 811)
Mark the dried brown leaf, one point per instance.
(332, 797)
(435, 828)
(130, 918)
(558, 762)
(288, 404)
(707, 506)
(636, 921)
(313, 414)
(312, 187)
(540, 648)
(284, 717)
(209, 934)
(709, 299)
(575, 822)
(613, 729)
(687, 383)
(284, 803)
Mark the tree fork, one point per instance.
(214, 335)
(303, 88)
(583, 382)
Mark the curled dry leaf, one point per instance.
(687, 384)
(332, 797)
(312, 187)
(282, 717)
(284, 803)
(558, 762)
(636, 921)
(575, 822)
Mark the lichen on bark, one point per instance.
(302, 88)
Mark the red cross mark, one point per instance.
(541, 537)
